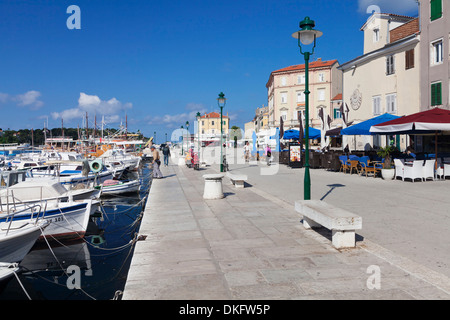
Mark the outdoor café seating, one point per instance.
(353, 165)
(446, 170)
(428, 169)
(344, 165)
(369, 167)
(414, 171)
(399, 168)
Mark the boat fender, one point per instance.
(96, 165)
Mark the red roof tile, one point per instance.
(213, 115)
(312, 65)
(338, 97)
(404, 30)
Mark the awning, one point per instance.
(294, 134)
(363, 128)
(421, 122)
(336, 132)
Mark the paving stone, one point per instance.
(252, 245)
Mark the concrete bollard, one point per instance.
(213, 186)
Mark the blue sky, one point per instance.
(160, 62)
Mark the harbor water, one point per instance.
(92, 268)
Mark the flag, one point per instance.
(301, 126)
(321, 118)
(281, 127)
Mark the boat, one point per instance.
(7, 269)
(113, 187)
(131, 161)
(68, 220)
(44, 190)
(117, 168)
(74, 172)
(17, 236)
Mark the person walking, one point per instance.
(166, 153)
(268, 155)
(247, 152)
(156, 163)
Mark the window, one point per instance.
(283, 81)
(284, 115)
(321, 77)
(391, 103)
(337, 113)
(321, 94)
(409, 59)
(203, 122)
(301, 79)
(436, 94)
(300, 96)
(212, 122)
(436, 52)
(390, 67)
(376, 35)
(376, 105)
(284, 97)
(435, 9)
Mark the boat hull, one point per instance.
(18, 242)
(126, 187)
(68, 221)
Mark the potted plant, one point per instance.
(387, 172)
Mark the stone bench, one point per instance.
(342, 223)
(213, 186)
(237, 179)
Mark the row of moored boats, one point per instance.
(51, 195)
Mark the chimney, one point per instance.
(319, 59)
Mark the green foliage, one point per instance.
(386, 154)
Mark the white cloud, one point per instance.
(94, 105)
(402, 7)
(179, 119)
(30, 99)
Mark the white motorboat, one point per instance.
(7, 269)
(44, 190)
(69, 220)
(131, 161)
(113, 187)
(17, 236)
(73, 172)
(117, 168)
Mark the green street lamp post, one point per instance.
(187, 136)
(154, 137)
(182, 141)
(221, 102)
(307, 36)
(198, 138)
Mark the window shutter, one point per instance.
(409, 57)
(436, 9)
(436, 94)
(433, 94)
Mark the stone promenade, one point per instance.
(252, 245)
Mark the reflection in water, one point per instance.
(96, 266)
